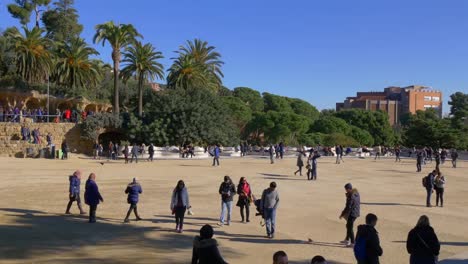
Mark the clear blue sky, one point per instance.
(317, 50)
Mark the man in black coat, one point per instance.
(205, 248)
(369, 234)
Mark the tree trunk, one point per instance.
(140, 95)
(116, 59)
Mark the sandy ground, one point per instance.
(33, 228)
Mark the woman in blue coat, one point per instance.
(74, 192)
(92, 197)
(133, 190)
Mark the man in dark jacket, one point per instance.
(134, 153)
(133, 190)
(370, 238)
(74, 192)
(205, 248)
(350, 213)
(92, 197)
(429, 185)
(216, 153)
(454, 156)
(419, 160)
(151, 152)
(227, 189)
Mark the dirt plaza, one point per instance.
(34, 194)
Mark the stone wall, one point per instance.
(11, 144)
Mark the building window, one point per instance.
(435, 98)
(427, 98)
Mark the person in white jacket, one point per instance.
(179, 204)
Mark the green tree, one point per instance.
(276, 103)
(459, 108)
(331, 124)
(61, 22)
(240, 113)
(251, 97)
(334, 139)
(74, 66)
(363, 137)
(119, 36)
(198, 65)
(142, 62)
(22, 10)
(32, 55)
(303, 108)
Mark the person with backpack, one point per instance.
(133, 190)
(227, 190)
(367, 249)
(439, 186)
(74, 192)
(179, 204)
(205, 248)
(428, 183)
(422, 243)
(351, 212)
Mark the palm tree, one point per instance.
(141, 61)
(119, 36)
(32, 55)
(74, 66)
(198, 64)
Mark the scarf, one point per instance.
(246, 189)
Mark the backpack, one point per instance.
(424, 181)
(360, 251)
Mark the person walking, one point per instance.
(205, 248)
(111, 151)
(454, 156)
(378, 152)
(367, 249)
(179, 204)
(125, 153)
(313, 166)
(299, 163)
(338, 154)
(96, 149)
(216, 152)
(271, 151)
(281, 150)
(133, 190)
(245, 198)
(437, 159)
(64, 148)
(419, 160)
(92, 197)
(134, 153)
(227, 190)
(428, 183)
(397, 154)
(351, 212)
(422, 243)
(443, 155)
(269, 204)
(74, 192)
(439, 186)
(151, 152)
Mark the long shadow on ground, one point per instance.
(393, 204)
(38, 235)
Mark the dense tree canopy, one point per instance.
(61, 22)
(252, 98)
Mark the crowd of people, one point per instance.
(42, 115)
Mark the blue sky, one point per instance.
(320, 51)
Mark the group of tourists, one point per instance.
(311, 165)
(427, 155)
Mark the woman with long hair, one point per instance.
(179, 204)
(423, 244)
(439, 186)
(245, 198)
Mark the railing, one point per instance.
(14, 118)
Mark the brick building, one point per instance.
(395, 101)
